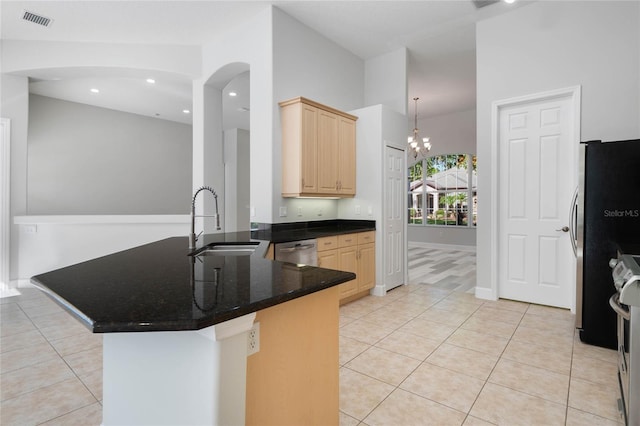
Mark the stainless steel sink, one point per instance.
(227, 249)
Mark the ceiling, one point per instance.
(439, 35)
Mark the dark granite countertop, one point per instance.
(296, 231)
(159, 287)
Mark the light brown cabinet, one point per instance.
(294, 378)
(366, 266)
(352, 253)
(328, 252)
(318, 150)
(347, 156)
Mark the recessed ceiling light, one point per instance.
(95, 91)
(150, 81)
(186, 111)
(509, 1)
(233, 94)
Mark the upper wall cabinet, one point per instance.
(318, 150)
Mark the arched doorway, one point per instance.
(227, 120)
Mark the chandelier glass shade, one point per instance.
(418, 145)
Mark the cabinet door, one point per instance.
(347, 157)
(328, 259)
(366, 266)
(347, 261)
(327, 152)
(309, 149)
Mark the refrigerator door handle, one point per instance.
(574, 223)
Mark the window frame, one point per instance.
(421, 208)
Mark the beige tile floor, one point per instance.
(50, 365)
(428, 353)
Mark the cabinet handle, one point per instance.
(303, 182)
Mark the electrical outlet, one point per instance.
(283, 211)
(253, 339)
(358, 210)
(299, 211)
(30, 229)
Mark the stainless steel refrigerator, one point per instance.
(607, 220)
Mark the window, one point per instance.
(442, 191)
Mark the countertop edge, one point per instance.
(278, 237)
(85, 320)
(106, 326)
(323, 282)
(200, 325)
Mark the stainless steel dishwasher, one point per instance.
(300, 252)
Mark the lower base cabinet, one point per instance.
(352, 253)
(294, 379)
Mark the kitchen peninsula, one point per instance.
(175, 331)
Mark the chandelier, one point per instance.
(413, 141)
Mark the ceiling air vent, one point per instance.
(482, 3)
(36, 19)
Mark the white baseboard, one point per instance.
(8, 292)
(23, 283)
(379, 290)
(485, 293)
(11, 289)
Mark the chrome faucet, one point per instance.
(192, 236)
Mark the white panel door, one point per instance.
(394, 195)
(536, 181)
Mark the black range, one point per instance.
(160, 287)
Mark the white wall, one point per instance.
(449, 133)
(307, 64)
(455, 235)
(385, 80)
(52, 242)
(236, 179)
(249, 43)
(453, 133)
(14, 95)
(20, 57)
(89, 160)
(377, 127)
(369, 149)
(552, 45)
